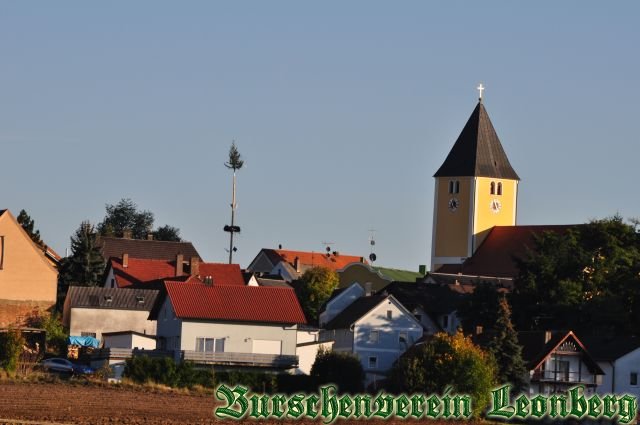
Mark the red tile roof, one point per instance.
(222, 274)
(495, 256)
(141, 271)
(145, 271)
(311, 259)
(235, 303)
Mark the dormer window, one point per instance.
(108, 299)
(140, 299)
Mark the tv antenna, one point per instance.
(327, 247)
(372, 243)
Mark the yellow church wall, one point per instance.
(451, 236)
(485, 216)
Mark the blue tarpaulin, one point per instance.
(84, 341)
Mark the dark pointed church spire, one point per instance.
(478, 151)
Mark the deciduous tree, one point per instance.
(314, 288)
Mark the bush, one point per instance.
(56, 338)
(11, 346)
(256, 381)
(447, 361)
(341, 369)
(165, 371)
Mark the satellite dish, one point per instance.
(328, 249)
(373, 242)
(372, 257)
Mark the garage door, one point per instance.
(267, 346)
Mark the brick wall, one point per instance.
(15, 312)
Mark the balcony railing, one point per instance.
(241, 359)
(564, 377)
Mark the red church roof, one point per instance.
(495, 256)
(235, 303)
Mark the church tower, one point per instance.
(476, 189)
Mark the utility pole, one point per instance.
(235, 163)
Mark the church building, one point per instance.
(475, 206)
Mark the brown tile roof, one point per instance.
(477, 151)
(495, 256)
(111, 298)
(145, 249)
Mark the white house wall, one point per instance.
(307, 355)
(169, 327)
(342, 339)
(618, 379)
(110, 281)
(339, 303)
(388, 347)
(238, 337)
(98, 321)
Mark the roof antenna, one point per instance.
(480, 89)
(372, 243)
(327, 247)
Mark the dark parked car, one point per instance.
(65, 366)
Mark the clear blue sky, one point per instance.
(342, 110)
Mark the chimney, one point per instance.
(194, 266)
(367, 289)
(149, 236)
(179, 264)
(296, 264)
(547, 336)
(126, 234)
(125, 260)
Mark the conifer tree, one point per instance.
(85, 265)
(507, 351)
(28, 225)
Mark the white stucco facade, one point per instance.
(622, 375)
(88, 321)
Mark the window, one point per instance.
(456, 187)
(403, 339)
(140, 299)
(91, 334)
(374, 337)
(562, 368)
(499, 188)
(450, 186)
(113, 283)
(210, 345)
(493, 188)
(1, 252)
(373, 362)
(633, 379)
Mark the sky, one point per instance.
(343, 111)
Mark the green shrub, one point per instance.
(56, 338)
(341, 369)
(256, 381)
(165, 371)
(11, 345)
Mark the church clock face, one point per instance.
(454, 204)
(495, 206)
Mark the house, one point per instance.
(93, 311)
(28, 273)
(375, 327)
(145, 249)
(290, 265)
(377, 277)
(557, 361)
(128, 272)
(619, 358)
(435, 306)
(229, 325)
(129, 340)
